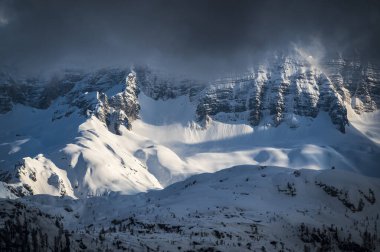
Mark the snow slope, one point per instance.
(243, 208)
(73, 156)
(368, 124)
(315, 144)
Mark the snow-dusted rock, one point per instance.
(288, 85)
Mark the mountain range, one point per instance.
(282, 156)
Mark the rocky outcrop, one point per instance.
(331, 102)
(120, 109)
(37, 175)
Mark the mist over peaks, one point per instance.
(204, 38)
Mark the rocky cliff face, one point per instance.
(359, 82)
(34, 92)
(281, 90)
(121, 108)
(85, 92)
(160, 86)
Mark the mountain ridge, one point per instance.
(156, 130)
(286, 87)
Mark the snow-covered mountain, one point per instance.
(116, 132)
(86, 133)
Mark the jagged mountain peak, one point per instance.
(281, 86)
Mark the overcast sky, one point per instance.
(197, 36)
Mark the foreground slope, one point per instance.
(243, 208)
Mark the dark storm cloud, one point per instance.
(197, 36)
